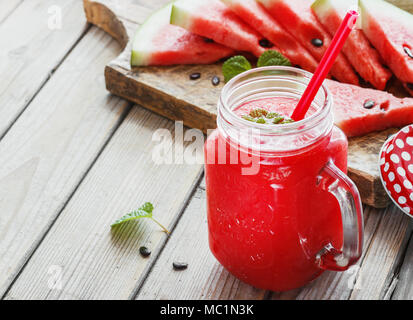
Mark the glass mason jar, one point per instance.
(281, 209)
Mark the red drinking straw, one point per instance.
(325, 65)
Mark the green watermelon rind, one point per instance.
(141, 51)
(229, 2)
(385, 8)
(380, 6)
(321, 7)
(180, 14)
(267, 3)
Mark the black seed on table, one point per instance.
(215, 80)
(408, 51)
(180, 265)
(195, 76)
(265, 43)
(208, 40)
(369, 104)
(145, 252)
(317, 42)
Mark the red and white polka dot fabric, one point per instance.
(396, 169)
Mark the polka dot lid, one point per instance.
(396, 169)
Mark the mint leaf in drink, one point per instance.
(234, 66)
(263, 116)
(278, 120)
(272, 58)
(248, 118)
(145, 211)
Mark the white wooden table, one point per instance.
(73, 159)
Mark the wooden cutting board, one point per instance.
(169, 92)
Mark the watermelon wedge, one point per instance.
(297, 17)
(257, 17)
(365, 59)
(359, 111)
(390, 30)
(214, 20)
(158, 43)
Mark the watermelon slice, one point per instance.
(390, 30)
(158, 43)
(359, 111)
(257, 17)
(213, 19)
(365, 59)
(297, 17)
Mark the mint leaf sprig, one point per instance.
(235, 66)
(239, 64)
(145, 211)
(273, 58)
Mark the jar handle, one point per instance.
(348, 197)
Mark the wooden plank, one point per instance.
(31, 51)
(7, 7)
(404, 287)
(95, 262)
(383, 257)
(336, 285)
(404, 4)
(364, 167)
(47, 152)
(169, 92)
(205, 278)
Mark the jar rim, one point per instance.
(228, 115)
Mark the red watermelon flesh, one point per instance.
(214, 20)
(257, 17)
(390, 30)
(356, 120)
(159, 43)
(365, 59)
(297, 17)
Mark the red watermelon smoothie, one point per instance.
(278, 226)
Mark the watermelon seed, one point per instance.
(369, 104)
(145, 252)
(410, 85)
(208, 40)
(265, 43)
(215, 80)
(317, 42)
(195, 76)
(408, 51)
(180, 265)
